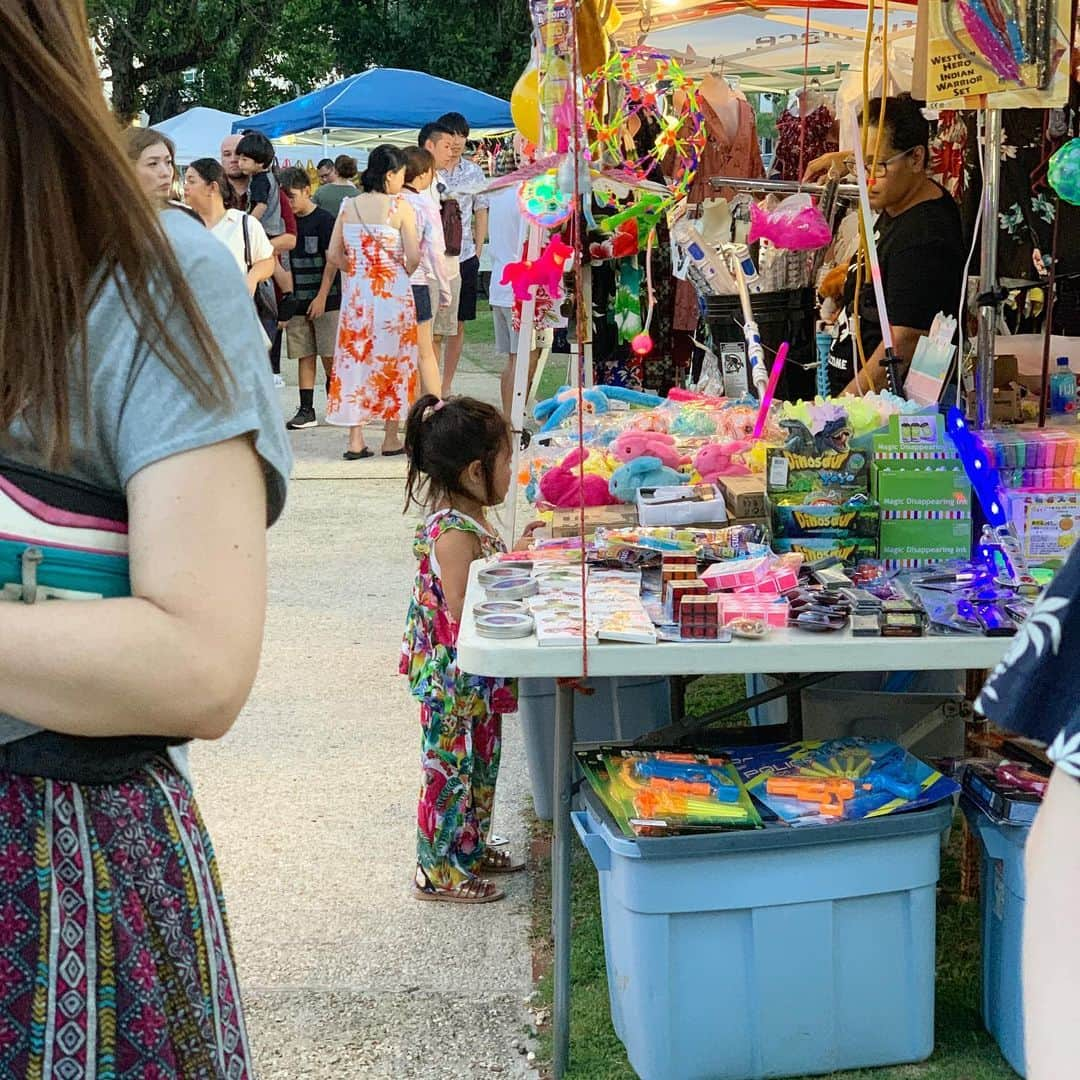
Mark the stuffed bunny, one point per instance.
(559, 486)
(635, 444)
(718, 459)
(647, 472)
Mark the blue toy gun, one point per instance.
(890, 774)
(721, 786)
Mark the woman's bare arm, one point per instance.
(178, 658)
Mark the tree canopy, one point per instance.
(243, 55)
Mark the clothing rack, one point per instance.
(784, 187)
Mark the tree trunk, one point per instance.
(126, 100)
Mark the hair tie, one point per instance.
(431, 410)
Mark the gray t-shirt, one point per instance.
(140, 413)
(331, 196)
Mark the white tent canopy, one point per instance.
(198, 133)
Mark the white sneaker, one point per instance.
(279, 382)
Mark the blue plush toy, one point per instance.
(598, 400)
(642, 472)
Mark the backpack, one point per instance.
(450, 212)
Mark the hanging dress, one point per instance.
(376, 374)
(723, 156)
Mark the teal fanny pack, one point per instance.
(62, 539)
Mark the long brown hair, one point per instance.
(136, 140)
(74, 234)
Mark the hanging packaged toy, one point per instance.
(795, 225)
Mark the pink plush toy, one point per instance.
(559, 486)
(634, 444)
(718, 459)
(546, 271)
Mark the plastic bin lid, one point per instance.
(932, 819)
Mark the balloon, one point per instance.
(1064, 172)
(525, 104)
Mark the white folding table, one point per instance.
(783, 652)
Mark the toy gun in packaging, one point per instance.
(681, 774)
(830, 793)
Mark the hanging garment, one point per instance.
(723, 155)
(820, 138)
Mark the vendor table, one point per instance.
(783, 652)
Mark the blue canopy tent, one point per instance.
(379, 105)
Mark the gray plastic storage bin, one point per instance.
(858, 703)
(621, 710)
(773, 952)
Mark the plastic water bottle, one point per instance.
(1063, 390)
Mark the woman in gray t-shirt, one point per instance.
(117, 322)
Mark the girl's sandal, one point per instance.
(473, 891)
(497, 861)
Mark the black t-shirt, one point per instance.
(313, 232)
(921, 253)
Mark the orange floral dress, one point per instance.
(375, 374)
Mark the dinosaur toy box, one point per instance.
(818, 457)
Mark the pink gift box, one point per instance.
(746, 606)
(780, 580)
(736, 573)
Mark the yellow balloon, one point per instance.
(525, 104)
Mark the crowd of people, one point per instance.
(375, 274)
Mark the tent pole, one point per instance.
(521, 386)
(988, 283)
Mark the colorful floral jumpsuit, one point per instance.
(461, 716)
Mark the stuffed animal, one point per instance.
(555, 410)
(559, 487)
(546, 270)
(647, 472)
(657, 444)
(719, 459)
(622, 242)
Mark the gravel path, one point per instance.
(311, 802)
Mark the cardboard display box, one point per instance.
(567, 522)
(744, 495)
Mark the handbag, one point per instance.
(450, 214)
(265, 298)
(63, 539)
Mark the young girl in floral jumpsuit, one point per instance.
(459, 464)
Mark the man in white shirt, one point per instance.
(458, 179)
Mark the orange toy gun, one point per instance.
(667, 804)
(831, 793)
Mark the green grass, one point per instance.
(964, 1051)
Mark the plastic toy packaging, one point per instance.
(657, 792)
(795, 225)
(817, 783)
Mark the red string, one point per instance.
(580, 314)
(802, 106)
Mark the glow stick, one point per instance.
(770, 390)
(871, 247)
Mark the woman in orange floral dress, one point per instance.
(375, 245)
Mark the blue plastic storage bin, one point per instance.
(621, 709)
(1002, 900)
(773, 952)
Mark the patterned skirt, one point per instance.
(115, 961)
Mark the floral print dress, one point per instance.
(375, 375)
(460, 715)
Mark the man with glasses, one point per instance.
(919, 241)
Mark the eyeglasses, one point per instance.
(882, 169)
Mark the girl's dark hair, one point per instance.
(904, 121)
(256, 146)
(443, 442)
(417, 162)
(384, 159)
(211, 172)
